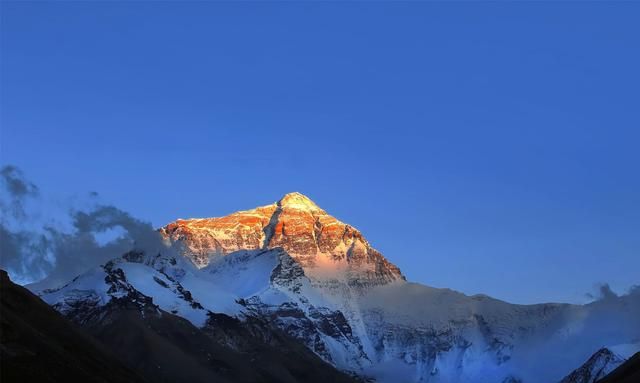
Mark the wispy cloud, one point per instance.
(32, 250)
(15, 190)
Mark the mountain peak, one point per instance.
(298, 201)
(318, 241)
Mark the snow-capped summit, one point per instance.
(298, 201)
(325, 247)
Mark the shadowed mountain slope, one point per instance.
(628, 372)
(38, 345)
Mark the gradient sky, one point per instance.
(490, 148)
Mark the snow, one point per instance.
(274, 297)
(625, 350)
(244, 273)
(90, 283)
(211, 296)
(392, 371)
(342, 357)
(298, 201)
(144, 279)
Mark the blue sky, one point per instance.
(486, 147)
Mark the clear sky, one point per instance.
(486, 147)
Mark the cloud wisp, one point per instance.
(58, 249)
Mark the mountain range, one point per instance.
(304, 296)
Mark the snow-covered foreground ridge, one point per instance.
(321, 281)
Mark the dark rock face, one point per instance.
(287, 273)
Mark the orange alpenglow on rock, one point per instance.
(325, 247)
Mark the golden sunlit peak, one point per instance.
(297, 200)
